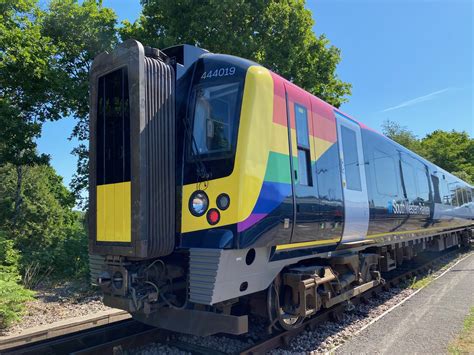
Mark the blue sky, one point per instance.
(410, 61)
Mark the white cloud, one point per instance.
(417, 100)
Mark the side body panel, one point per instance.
(356, 206)
(407, 194)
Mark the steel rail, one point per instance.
(72, 342)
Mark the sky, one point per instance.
(409, 61)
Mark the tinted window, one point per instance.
(437, 193)
(445, 193)
(456, 194)
(328, 175)
(302, 135)
(302, 139)
(409, 180)
(113, 128)
(214, 118)
(386, 176)
(422, 184)
(303, 172)
(351, 158)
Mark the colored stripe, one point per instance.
(249, 222)
(278, 168)
(307, 244)
(271, 196)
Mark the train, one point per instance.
(219, 190)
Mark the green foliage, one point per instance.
(78, 31)
(27, 95)
(12, 300)
(12, 295)
(45, 56)
(277, 34)
(47, 231)
(452, 151)
(402, 135)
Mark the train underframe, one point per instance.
(156, 291)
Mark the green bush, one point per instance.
(12, 299)
(12, 295)
(48, 232)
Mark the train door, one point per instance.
(301, 140)
(356, 204)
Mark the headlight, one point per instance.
(223, 201)
(198, 203)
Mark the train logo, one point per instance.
(404, 207)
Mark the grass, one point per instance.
(464, 343)
(416, 284)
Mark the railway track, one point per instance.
(129, 334)
(334, 313)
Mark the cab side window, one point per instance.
(302, 139)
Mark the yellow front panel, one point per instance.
(243, 185)
(114, 212)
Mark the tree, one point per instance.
(46, 225)
(276, 34)
(45, 56)
(402, 135)
(453, 151)
(79, 31)
(27, 88)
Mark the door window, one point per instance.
(302, 138)
(351, 159)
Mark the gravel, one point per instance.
(57, 302)
(157, 348)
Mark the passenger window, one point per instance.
(302, 138)
(385, 174)
(456, 194)
(422, 184)
(409, 180)
(351, 159)
(328, 175)
(464, 196)
(445, 191)
(437, 195)
(469, 194)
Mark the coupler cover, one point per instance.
(132, 153)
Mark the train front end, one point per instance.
(168, 177)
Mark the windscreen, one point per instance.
(215, 119)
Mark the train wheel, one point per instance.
(279, 318)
